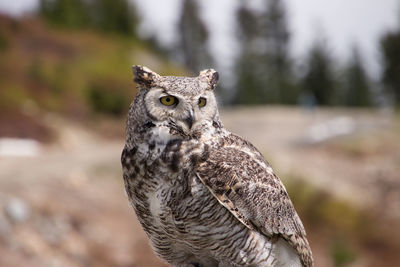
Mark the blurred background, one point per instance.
(315, 85)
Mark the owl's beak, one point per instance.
(189, 119)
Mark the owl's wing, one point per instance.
(242, 181)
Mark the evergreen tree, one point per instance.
(104, 15)
(278, 58)
(249, 68)
(357, 86)
(263, 67)
(319, 79)
(390, 50)
(193, 38)
(114, 16)
(67, 13)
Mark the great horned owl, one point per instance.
(204, 196)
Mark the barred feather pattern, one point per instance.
(203, 195)
(184, 221)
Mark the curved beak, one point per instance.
(189, 120)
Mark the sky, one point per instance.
(342, 23)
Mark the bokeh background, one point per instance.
(315, 85)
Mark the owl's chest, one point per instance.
(175, 209)
(166, 203)
(155, 172)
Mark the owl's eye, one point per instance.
(168, 100)
(202, 102)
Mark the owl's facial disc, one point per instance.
(187, 112)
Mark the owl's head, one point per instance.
(187, 102)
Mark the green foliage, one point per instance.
(278, 39)
(341, 253)
(250, 88)
(68, 13)
(36, 71)
(193, 38)
(357, 85)
(263, 68)
(59, 81)
(114, 16)
(3, 42)
(77, 73)
(250, 80)
(318, 207)
(103, 15)
(104, 97)
(390, 50)
(11, 96)
(321, 210)
(319, 79)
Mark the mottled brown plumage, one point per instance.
(204, 196)
(246, 184)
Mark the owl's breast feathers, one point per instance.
(242, 180)
(235, 173)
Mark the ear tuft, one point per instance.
(143, 75)
(211, 75)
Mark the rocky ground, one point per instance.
(65, 204)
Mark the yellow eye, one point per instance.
(168, 100)
(202, 102)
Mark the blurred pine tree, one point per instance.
(249, 68)
(356, 83)
(66, 13)
(390, 51)
(193, 34)
(319, 79)
(263, 68)
(103, 15)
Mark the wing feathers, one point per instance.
(254, 195)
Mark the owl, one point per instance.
(203, 195)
